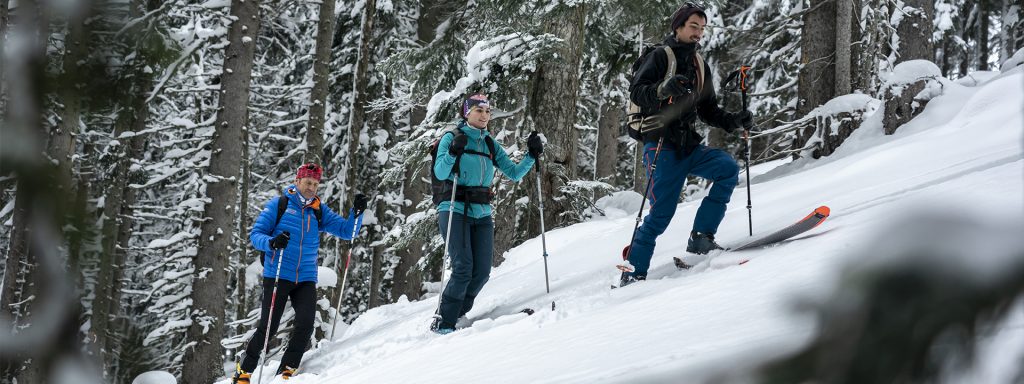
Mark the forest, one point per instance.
(141, 138)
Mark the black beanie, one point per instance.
(684, 13)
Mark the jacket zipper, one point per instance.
(302, 238)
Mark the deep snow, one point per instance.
(962, 155)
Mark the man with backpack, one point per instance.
(288, 232)
(467, 155)
(672, 92)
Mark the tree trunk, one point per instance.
(245, 252)
(362, 80)
(969, 30)
(321, 82)
(204, 362)
(552, 108)
(408, 280)
(373, 291)
(983, 48)
(22, 131)
(915, 44)
(609, 125)
(4, 7)
(844, 40)
(816, 83)
(1011, 25)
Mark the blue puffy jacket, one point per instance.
(475, 170)
(299, 261)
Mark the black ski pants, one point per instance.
(303, 298)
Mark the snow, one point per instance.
(1013, 61)
(326, 277)
(161, 243)
(620, 204)
(962, 157)
(155, 377)
(909, 72)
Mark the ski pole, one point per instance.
(270, 311)
(344, 278)
(650, 178)
(543, 232)
(448, 236)
(746, 150)
(543, 238)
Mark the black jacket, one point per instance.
(678, 115)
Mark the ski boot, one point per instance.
(440, 328)
(702, 243)
(287, 372)
(240, 377)
(629, 278)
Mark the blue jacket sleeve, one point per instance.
(339, 226)
(445, 161)
(263, 229)
(510, 168)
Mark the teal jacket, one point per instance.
(475, 170)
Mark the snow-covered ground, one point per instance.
(961, 156)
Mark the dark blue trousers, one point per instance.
(471, 246)
(673, 167)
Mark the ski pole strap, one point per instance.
(743, 77)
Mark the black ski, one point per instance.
(806, 224)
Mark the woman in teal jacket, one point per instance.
(472, 230)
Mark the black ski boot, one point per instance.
(702, 243)
(441, 328)
(629, 278)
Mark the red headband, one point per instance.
(310, 170)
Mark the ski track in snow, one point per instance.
(962, 155)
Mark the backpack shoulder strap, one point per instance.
(671, 72)
(319, 214)
(699, 60)
(282, 206)
(490, 147)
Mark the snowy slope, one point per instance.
(962, 155)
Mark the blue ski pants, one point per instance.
(668, 179)
(470, 247)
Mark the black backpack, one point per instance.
(637, 123)
(441, 190)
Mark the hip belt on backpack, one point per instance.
(475, 195)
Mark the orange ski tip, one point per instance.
(823, 210)
(820, 211)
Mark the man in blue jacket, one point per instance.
(472, 229)
(289, 237)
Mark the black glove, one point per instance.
(359, 204)
(678, 85)
(458, 145)
(280, 241)
(744, 120)
(535, 145)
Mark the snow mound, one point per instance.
(155, 377)
(620, 204)
(326, 277)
